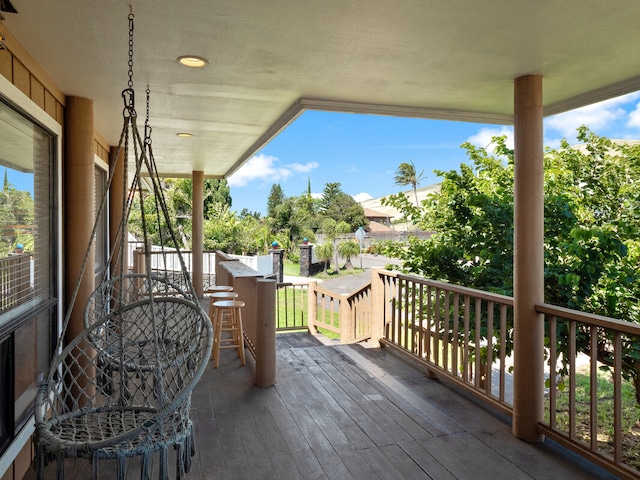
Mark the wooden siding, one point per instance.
(20, 69)
(102, 148)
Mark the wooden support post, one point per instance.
(197, 234)
(79, 201)
(377, 305)
(266, 333)
(79, 215)
(528, 274)
(312, 307)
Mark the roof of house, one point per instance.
(371, 213)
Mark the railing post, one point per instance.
(346, 320)
(266, 333)
(312, 307)
(138, 261)
(139, 266)
(377, 305)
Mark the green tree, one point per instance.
(16, 218)
(276, 198)
(341, 207)
(407, 175)
(329, 197)
(178, 194)
(216, 192)
(592, 223)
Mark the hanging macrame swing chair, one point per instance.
(122, 388)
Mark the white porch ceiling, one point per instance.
(269, 60)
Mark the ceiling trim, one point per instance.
(293, 112)
(606, 93)
(404, 111)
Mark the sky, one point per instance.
(362, 152)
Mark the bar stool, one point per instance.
(230, 311)
(217, 297)
(218, 288)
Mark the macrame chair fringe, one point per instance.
(122, 387)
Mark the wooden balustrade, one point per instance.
(345, 315)
(600, 428)
(460, 333)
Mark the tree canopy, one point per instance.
(16, 218)
(592, 229)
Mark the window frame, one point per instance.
(16, 100)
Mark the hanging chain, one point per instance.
(147, 127)
(128, 94)
(131, 18)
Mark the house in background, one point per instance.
(378, 221)
(389, 216)
(256, 67)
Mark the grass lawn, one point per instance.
(291, 269)
(630, 415)
(292, 311)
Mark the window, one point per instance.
(27, 290)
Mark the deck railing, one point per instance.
(340, 315)
(589, 408)
(167, 260)
(461, 333)
(291, 306)
(466, 335)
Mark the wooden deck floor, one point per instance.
(346, 412)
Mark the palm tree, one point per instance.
(332, 230)
(406, 175)
(349, 249)
(325, 253)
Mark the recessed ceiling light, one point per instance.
(184, 134)
(192, 61)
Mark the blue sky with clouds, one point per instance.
(362, 152)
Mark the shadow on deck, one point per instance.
(348, 412)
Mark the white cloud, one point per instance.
(484, 136)
(263, 167)
(316, 195)
(300, 168)
(361, 197)
(634, 118)
(596, 116)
